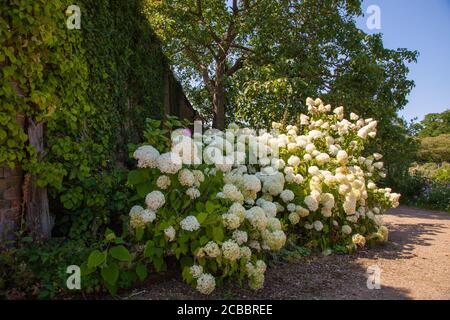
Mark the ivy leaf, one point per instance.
(95, 259)
(120, 253)
(141, 271)
(110, 274)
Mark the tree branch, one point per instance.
(239, 63)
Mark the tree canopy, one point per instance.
(434, 124)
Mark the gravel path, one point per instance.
(414, 264)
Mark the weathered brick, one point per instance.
(16, 203)
(2, 172)
(12, 214)
(3, 184)
(5, 204)
(13, 182)
(11, 194)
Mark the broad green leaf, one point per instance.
(218, 234)
(141, 271)
(201, 217)
(136, 177)
(120, 253)
(209, 207)
(110, 274)
(96, 258)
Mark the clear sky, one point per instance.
(422, 25)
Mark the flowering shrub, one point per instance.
(219, 201)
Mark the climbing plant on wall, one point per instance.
(93, 88)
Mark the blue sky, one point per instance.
(424, 26)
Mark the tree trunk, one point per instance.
(38, 220)
(219, 108)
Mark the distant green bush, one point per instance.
(434, 149)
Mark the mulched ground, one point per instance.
(415, 264)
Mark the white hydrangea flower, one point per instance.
(275, 240)
(155, 200)
(186, 178)
(257, 218)
(232, 193)
(148, 215)
(238, 210)
(240, 237)
(246, 253)
(231, 250)
(147, 156)
(359, 240)
(294, 218)
(206, 283)
(291, 207)
(312, 203)
(190, 223)
(193, 193)
(163, 182)
(170, 233)
(212, 250)
(196, 271)
(346, 229)
(169, 162)
(287, 195)
(342, 157)
(269, 207)
(231, 221)
(294, 161)
(318, 225)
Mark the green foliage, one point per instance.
(434, 149)
(428, 185)
(434, 124)
(31, 270)
(92, 87)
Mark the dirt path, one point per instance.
(415, 264)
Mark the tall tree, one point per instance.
(434, 124)
(209, 41)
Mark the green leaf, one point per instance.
(159, 264)
(209, 207)
(137, 176)
(110, 274)
(204, 240)
(199, 206)
(120, 253)
(141, 271)
(95, 259)
(139, 233)
(201, 217)
(218, 234)
(143, 189)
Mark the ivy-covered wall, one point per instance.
(93, 88)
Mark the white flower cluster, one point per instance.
(139, 217)
(146, 156)
(308, 178)
(190, 223)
